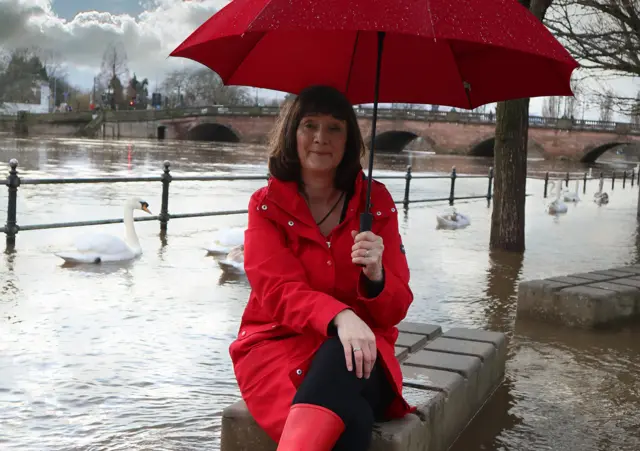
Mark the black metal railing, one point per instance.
(14, 181)
(626, 175)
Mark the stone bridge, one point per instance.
(443, 132)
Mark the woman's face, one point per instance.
(321, 141)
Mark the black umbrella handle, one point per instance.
(366, 221)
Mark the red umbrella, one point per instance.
(413, 51)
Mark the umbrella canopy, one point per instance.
(435, 51)
(413, 51)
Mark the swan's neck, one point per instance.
(130, 232)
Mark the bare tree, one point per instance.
(571, 104)
(114, 72)
(563, 106)
(202, 87)
(205, 87)
(52, 61)
(606, 107)
(604, 35)
(175, 85)
(635, 113)
(552, 106)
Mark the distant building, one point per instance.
(42, 107)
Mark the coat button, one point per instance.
(244, 332)
(264, 207)
(329, 262)
(393, 210)
(299, 372)
(290, 223)
(378, 213)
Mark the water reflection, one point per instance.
(485, 430)
(503, 276)
(554, 361)
(108, 268)
(135, 355)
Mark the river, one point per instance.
(135, 356)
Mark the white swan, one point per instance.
(226, 240)
(599, 197)
(234, 260)
(572, 196)
(453, 220)
(557, 206)
(102, 247)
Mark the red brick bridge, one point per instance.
(444, 132)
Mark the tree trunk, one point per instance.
(510, 163)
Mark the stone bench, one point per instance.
(447, 376)
(596, 299)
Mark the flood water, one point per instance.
(135, 356)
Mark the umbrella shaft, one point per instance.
(381, 35)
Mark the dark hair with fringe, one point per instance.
(284, 163)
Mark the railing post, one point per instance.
(453, 186)
(613, 179)
(546, 184)
(624, 178)
(584, 184)
(407, 187)
(490, 185)
(13, 182)
(566, 180)
(164, 209)
(601, 179)
(633, 177)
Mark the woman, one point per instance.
(314, 358)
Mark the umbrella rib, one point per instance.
(462, 80)
(353, 54)
(248, 28)
(256, 43)
(245, 57)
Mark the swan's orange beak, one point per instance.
(146, 209)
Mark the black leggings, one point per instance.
(357, 401)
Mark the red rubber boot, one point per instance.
(310, 428)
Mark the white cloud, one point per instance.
(147, 38)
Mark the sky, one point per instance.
(79, 30)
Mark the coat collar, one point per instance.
(286, 196)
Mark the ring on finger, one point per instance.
(356, 349)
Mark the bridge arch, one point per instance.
(211, 131)
(484, 148)
(592, 154)
(394, 141)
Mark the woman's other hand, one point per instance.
(367, 250)
(358, 341)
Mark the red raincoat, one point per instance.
(300, 280)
